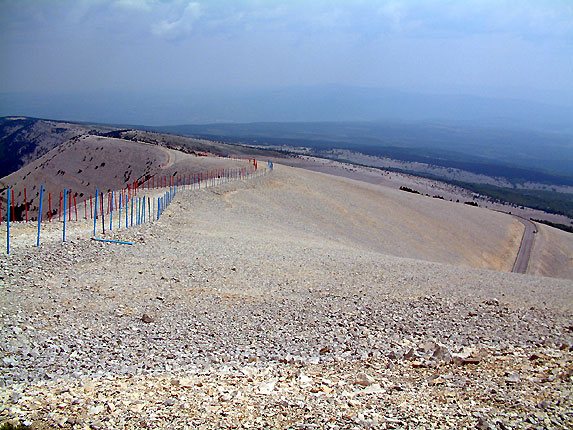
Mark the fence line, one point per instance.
(127, 198)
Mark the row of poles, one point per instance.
(154, 182)
(136, 210)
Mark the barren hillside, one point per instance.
(552, 253)
(87, 162)
(286, 302)
(23, 140)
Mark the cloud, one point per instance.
(174, 29)
(135, 5)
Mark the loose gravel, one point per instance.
(213, 319)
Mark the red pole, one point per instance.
(50, 206)
(70, 206)
(25, 204)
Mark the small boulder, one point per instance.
(147, 319)
(513, 378)
(364, 379)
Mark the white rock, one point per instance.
(305, 380)
(364, 379)
(373, 389)
(266, 388)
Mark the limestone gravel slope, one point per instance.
(552, 253)
(274, 303)
(298, 205)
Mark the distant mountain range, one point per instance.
(296, 104)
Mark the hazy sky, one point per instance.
(515, 48)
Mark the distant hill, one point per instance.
(23, 140)
(83, 157)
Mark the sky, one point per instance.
(517, 49)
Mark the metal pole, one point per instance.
(95, 212)
(111, 212)
(40, 214)
(65, 200)
(8, 225)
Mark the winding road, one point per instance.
(524, 253)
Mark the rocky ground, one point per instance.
(214, 319)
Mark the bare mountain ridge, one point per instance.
(23, 140)
(296, 288)
(113, 159)
(89, 162)
(83, 157)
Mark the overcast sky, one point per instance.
(513, 48)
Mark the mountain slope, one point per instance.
(23, 140)
(274, 303)
(89, 162)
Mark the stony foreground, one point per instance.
(219, 317)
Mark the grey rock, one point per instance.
(147, 319)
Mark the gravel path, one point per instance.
(221, 315)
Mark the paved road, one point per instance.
(524, 253)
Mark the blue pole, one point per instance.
(112, 241)
(111, 212)
(95, 212)
(126, 211)
(131, 211)
(65, 199)
(40, 214)
(8, 226)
